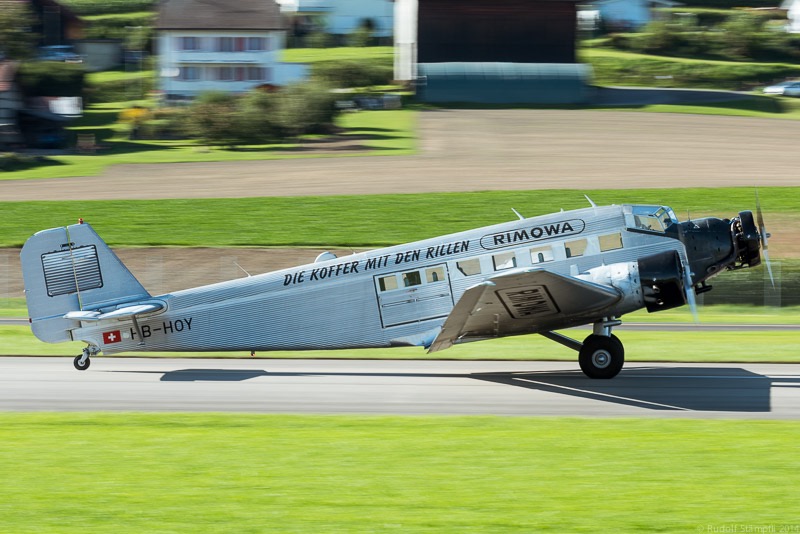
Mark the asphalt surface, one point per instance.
(730, 391)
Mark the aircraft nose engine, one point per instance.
(714, 245)
(662, 281)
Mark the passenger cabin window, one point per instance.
(387, 283)
(469, 267)
(610, 242)
(541, 254)
(434, 274)
(504, 260)
(575, 248)
(411, 279)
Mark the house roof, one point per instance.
(219, 15)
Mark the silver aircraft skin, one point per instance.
(532, 275)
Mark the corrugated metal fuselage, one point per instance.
(393, 296)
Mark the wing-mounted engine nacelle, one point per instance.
(662, 281)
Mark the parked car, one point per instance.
(63, 53)
(788, 88)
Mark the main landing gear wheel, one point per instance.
(81, 366)
(601, 356)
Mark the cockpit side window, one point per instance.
(650, 218)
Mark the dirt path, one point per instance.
(469, 150)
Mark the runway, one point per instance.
(730, 391)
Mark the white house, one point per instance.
(792, 8)
(206, 45)
(343, 17)
(626, 14)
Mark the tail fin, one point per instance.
(71, 269)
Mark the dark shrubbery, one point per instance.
(259, 117)
(351, 73)
(50, 78)
(105, 7)
(739, 38)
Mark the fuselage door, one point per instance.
(412, 296)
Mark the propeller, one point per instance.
(688, 285)
(763, 235)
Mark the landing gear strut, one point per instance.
(82, 361)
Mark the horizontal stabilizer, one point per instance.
(121, 313)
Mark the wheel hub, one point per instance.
(601, 359)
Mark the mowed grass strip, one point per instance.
(389, 132)
(640, 346)
(237, 473)
(351, 220)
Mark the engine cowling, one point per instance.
(662, 281)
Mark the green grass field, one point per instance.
(395, 137)
(65, 473)
(355, 221)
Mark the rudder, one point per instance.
(71, 269)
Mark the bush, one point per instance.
(255, 117)
(360, 37)
(319, 40)
(104, 7)
(212, 119)
(304, 108)
(350, 73)
(118, 90)
(119, 27)
(50, 78)
(165, 123)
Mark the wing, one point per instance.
(522, 302)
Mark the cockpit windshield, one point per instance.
(650, 218)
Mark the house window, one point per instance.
(256, 44)
(225, 74)
(189, 74)
(240, 73)
(610, 242)
(575, 248)
(504, 260)
(239, 43)
(256, 74)
(541, 254)
(225, 44)
(188, 43)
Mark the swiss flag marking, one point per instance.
(112, 337)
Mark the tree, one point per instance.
(255, 112)
(212, 119)
(17, 40)
(304, 108)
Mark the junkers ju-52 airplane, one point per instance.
(532, 275)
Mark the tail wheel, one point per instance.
(601, 356)
(81, 365)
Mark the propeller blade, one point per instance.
(769, 267)
(690, 296)
(688, 285)
(763, 235)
